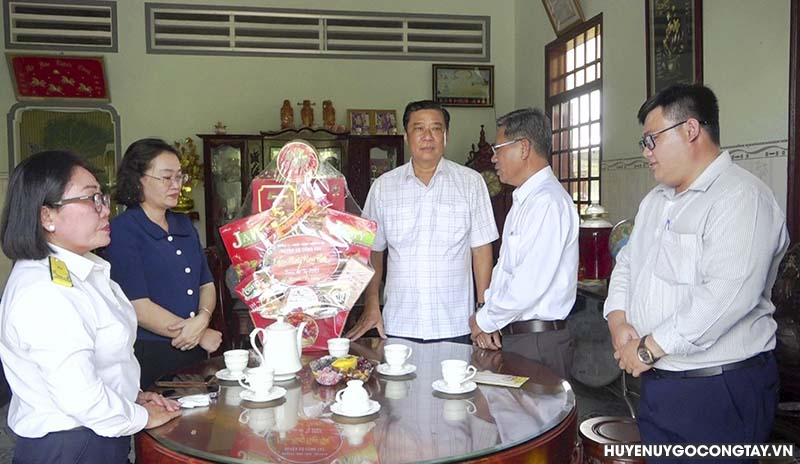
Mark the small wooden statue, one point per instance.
(287, 115)
(307, 113)
(328, 115)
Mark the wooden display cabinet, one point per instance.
(229, 163)
(370, 156)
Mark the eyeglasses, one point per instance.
(100, 200)
(649, 140)
(499, 146)
(178, 179)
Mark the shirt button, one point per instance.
(178, 252)
(169, 238)
(187, 270)
(190, 292)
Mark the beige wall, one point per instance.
(746, 62)
(745, 52)
(177, 96)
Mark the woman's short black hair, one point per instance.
(135, 162)
(37, 181)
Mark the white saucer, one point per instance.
(285, 377)
(384, 369)
(374, 407)
(274, 394)
(225, 374)
(441, 386)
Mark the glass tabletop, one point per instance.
(415, 423)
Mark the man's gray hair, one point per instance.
(531, 124)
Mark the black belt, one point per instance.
(532, 326)
(711, 371)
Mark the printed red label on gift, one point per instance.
(297, 161)
(302, 260)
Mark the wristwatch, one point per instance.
(479, 306)
(644, 354)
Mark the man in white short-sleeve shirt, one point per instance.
(435, 219)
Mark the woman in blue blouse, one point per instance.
(157, 259)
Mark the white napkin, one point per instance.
(195, 401)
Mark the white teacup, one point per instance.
(339, 347)
(397, 389)
(236, 361)
(457, 410)
(396, 356)
(258, 380)
(455, 372)
(354, 399)
(260, 421)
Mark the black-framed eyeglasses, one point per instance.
(501, 145)
(178, 179)
(649, 140)
(100, 200)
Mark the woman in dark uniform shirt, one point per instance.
(157, 259)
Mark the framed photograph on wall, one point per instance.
(360, 121)
(385, 122)
(55, 77)
(463, 85)
(563, 14)
(674, 43)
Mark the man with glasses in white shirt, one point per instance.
(535, 280)
(688, 304)
(435, 219)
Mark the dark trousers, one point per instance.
(158, 359)
(74, 446)
(736, 406)
(553, 348)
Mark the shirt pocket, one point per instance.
(451, 223)
(400, 224)
(511, 246)
(676, 262)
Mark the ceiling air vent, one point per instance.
(61, 25)
(199, 29)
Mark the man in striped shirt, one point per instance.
(689, 305)
(435, 219)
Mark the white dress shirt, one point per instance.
(536, 276)
(430, 231)
(698, 270)
(68, 351)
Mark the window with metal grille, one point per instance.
(85, 25)
(574, 102)
(201, 29)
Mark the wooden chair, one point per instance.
(221, 319)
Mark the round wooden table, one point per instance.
(536, 423)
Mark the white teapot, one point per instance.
(282, 343)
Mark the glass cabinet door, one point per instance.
(226, 168)
(382, 159)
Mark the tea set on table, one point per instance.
(352, 401)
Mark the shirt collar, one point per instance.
(533, 184)
(706, 178)
(176, 227)
(78, 265)
(408, 174)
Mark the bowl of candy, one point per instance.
(329, 370)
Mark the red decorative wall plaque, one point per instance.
(39, 77)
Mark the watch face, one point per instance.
(645, 355)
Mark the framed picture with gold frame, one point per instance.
(563, 14)
(360, 121)
(385, 122)
(463, 85)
